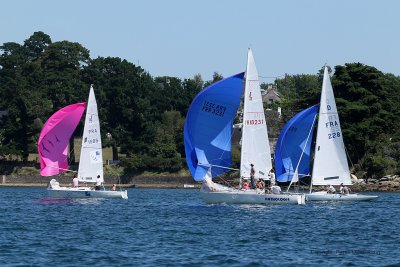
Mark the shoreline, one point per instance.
(125, 186)
(389, 183)
(357, 188)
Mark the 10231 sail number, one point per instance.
(254, 122)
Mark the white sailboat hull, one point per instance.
(251, 197)
(84, 192)
(324, 196)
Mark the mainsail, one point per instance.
(255, 144)
(330, 161)
(91, 160)
(208, 127)
(294, 142)
(54, 139)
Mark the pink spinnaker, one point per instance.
(54, 139)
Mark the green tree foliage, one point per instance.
(22, 94)
(143, 117)
(122, 91)
(368, 104)
(163, 151)
(368, 101)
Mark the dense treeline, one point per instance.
(368, 102)
(145, 115)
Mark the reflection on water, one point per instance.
(68, 201)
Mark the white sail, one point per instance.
(255, 144)
(330, 162)
(91, 160)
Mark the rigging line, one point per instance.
(302, 152)
(70, 157)
(348, 156)
(270, 77)
(55, 167)
(225, 181)
(226, 144)
(217, 166)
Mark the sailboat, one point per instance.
(53, 151)
(293, 150)
(208, 136)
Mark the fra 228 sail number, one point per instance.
(333, 135)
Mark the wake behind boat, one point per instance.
(53, 150)
(208, 134)
(293, 150)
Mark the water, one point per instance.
(175, 228)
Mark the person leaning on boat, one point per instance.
(271, 175)
(344, 189)
(98, 183)
(75, 181)
(246, 185)
(331, 189)
(252, 174)
(260, 184)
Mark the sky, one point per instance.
(182, 38)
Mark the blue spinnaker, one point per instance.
(208, 127)
(291, 143)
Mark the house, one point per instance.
(271, 95)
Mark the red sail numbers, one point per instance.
(254, 122)
(254, 118)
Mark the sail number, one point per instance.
(92, 131)
(91, 141)
(213, 108)
(333, 135)
(254, 122)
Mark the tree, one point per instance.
(124, 92)
(163, 150)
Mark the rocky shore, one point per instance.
(388, 183)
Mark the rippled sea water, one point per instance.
(176, 228)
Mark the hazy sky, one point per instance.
(182, 37)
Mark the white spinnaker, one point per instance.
(330, 162)
(255, 144)
(91, 160)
